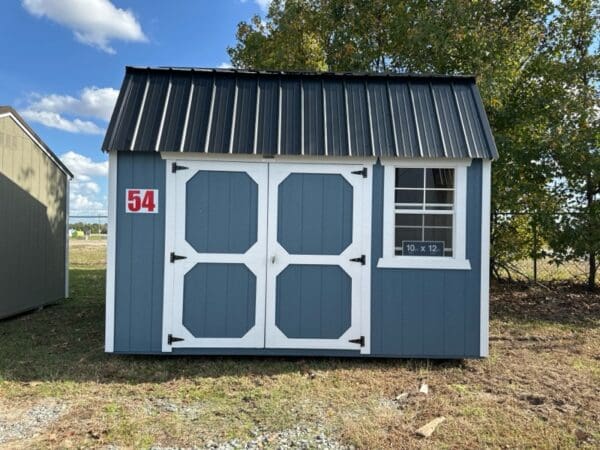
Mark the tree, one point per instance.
(573, 69)
(525, 53)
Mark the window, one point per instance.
(425, 215)
(424, 211)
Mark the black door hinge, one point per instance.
(175, 167)
(362, 172)
(171, 339)
(362, 259)
(175, 257)
(360, 340)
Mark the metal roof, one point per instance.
(9, 111)
(299, 113)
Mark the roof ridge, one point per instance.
(350, 74)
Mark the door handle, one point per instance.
(273, 259)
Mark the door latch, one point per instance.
(362, 172)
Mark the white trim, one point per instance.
(275, 159)
(67, 189)
(367, 233)
(458, 260)
(210, 113)
(279, 259)
(168, 280)
(162, 119)
(52, 157)
(187, 117)
(139, 117)
(486, 195)
(109, 333)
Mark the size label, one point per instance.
(423, 248)
(141, 201)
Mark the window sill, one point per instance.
(423, 262)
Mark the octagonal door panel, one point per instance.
(216, 228)
(316, 217)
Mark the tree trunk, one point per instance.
(592, 271)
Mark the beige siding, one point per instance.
(33, 198)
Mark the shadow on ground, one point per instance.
(66, 342)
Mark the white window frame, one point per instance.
(458, 260)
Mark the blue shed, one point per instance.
(283, 213)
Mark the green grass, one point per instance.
(135, 401)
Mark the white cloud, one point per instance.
(85, 198)
(55, 120)
(263, 4)
(83, 166)
(80, 204)
(93, 102)
(225, 65)
(93, 22)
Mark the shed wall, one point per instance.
(415, 313)
(33, 195)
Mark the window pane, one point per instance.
(408, 234)
(440, 178)
(410, 178)
(438, 220)
(440, 234)
(407, 220)
(440, 197)
(409, 196)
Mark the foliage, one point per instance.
(536, 70)
(90, 228)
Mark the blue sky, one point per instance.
(63, 63)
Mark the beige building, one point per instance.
(34, 188)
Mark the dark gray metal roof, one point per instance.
(55, 159)
(299, 113)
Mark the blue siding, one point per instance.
(140, 257)
(314, 214)
(414, 313)
(427, 313)
(219, 300)
(313, 301)
(221, 212)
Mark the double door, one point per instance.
(265, 255)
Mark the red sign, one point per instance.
(144, 201)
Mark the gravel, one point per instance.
(295, 438)
(27, 424)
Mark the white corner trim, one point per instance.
(423, 262)
(67, 189)
(109, 333)
(367, 211)
(168, 277)
(486, 197)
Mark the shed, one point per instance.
(283, 213)
(34, 195)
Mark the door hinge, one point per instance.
(362, 259)
(175, 257)
(360, 340)
(171, 339)
(175, 167)
(362, 172)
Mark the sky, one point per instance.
(62, 63)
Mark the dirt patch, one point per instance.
(18, 423)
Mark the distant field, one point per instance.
(540, 387)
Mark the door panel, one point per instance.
(313, 287)
(219, 226)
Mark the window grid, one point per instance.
(423, 209)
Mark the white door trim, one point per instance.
(275, 338)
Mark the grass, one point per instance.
(539, 387)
